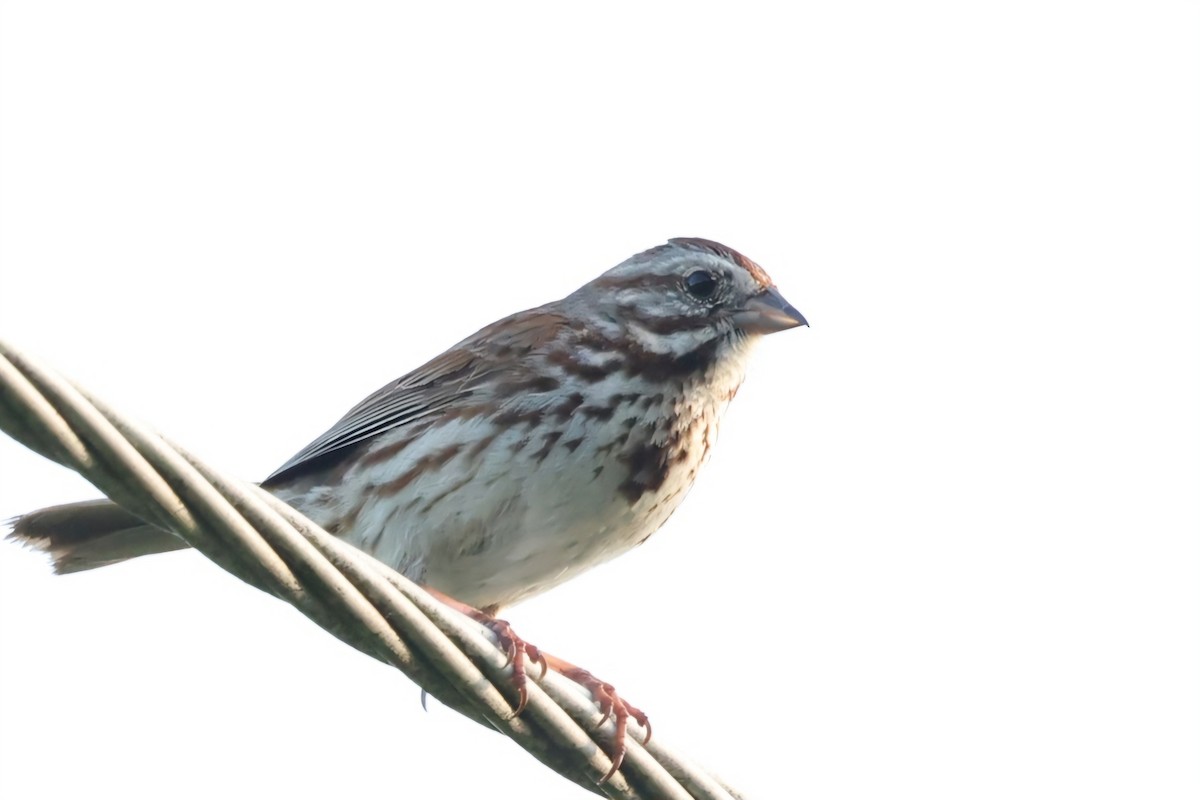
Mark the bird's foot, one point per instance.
(521, 654)
(611, 705)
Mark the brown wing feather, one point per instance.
(429, 390)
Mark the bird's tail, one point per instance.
(94, 533)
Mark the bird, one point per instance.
(546, 443)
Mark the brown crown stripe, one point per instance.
(716, 248)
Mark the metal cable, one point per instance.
(363, 602)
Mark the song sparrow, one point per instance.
(548, 442)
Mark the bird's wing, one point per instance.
(447, 380)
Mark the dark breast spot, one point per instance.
(567, 407)
(651, 400)
(548, 442)
(612, 444)
(648, 466)
(621, 398)
(601, 413)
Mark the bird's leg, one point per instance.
(519, 651)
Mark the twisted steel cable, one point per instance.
(363, 602)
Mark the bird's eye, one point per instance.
(700, 284)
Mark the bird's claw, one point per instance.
(519, 653)
(613, 706)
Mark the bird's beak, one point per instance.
(767, 312)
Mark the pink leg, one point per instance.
(519, 652)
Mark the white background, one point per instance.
(948, 546)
